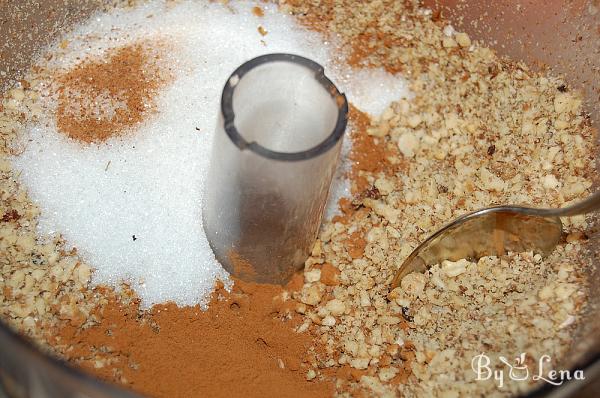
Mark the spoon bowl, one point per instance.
(494, 231)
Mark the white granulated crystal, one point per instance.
(132, 205)
(448, 30)
(372, 90)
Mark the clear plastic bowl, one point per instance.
(561, 34)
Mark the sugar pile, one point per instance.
(132, 205)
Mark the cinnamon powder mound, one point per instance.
(367, 155)
(241, 267)
(243, 345)
(370, 154)
(102, 98)
(256, 10)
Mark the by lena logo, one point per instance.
(519, 370)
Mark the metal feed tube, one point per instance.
(275, 151)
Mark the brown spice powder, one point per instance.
(369, 154)
(242, 268)
(256, 10)
(356, 244)
(330, 275)
(362, 49)
(99, 99)
(243, 345)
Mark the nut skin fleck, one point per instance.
(11, 215)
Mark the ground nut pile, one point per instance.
(43, 283)
(480, 131)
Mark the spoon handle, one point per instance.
(590, 204)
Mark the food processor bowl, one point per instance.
(562, 35)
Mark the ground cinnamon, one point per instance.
(256, 10)
(356, 244)
(244, 345)
(369, 154)
(101, 98)
(242, 268)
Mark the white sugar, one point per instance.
(372, 90)
(132, 205)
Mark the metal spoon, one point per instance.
(494, 231)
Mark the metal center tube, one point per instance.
(274, 155)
